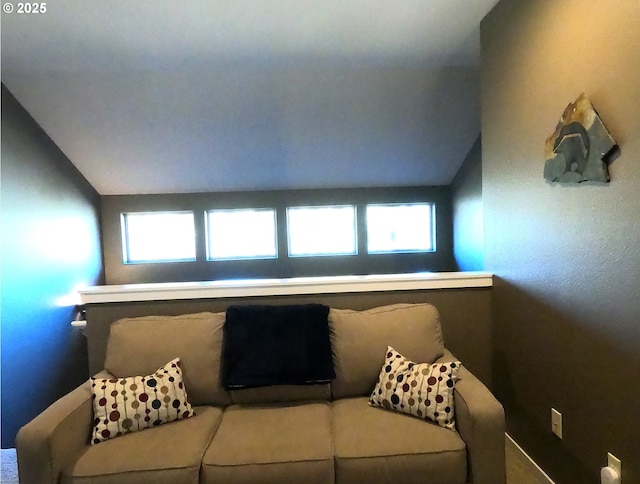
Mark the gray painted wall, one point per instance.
(468, 224)
(566, 258)
(50, 244)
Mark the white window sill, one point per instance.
(279, 287)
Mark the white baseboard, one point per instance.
(542, 473)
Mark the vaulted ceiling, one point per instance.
(159, 96)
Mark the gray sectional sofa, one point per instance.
(320, 433)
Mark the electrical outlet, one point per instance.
(614, 463)
(556, 422)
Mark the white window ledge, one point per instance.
(279, 287)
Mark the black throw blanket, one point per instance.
(276, 345)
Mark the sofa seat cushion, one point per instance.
(375, 445)
(272, 444)
(170, 453)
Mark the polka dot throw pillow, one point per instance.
(124, 405)
(420, 389)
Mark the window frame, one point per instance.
(208, 234)
(355, 251)
(431, 229)
(125, 242)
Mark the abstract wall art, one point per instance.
(579, 148)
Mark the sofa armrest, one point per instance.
(55, 437)
(480, 422)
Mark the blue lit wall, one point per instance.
(468, 221)
(50, 245)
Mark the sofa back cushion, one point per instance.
(138, 346)
(359, 341)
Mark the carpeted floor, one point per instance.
(519, 469)
(8, 467)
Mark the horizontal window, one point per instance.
(393, 228)
(158, 237)
(317, 231)
(241, 234)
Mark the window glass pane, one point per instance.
(242, 234)
(400, 228)
(322, 230)
(158, 237)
